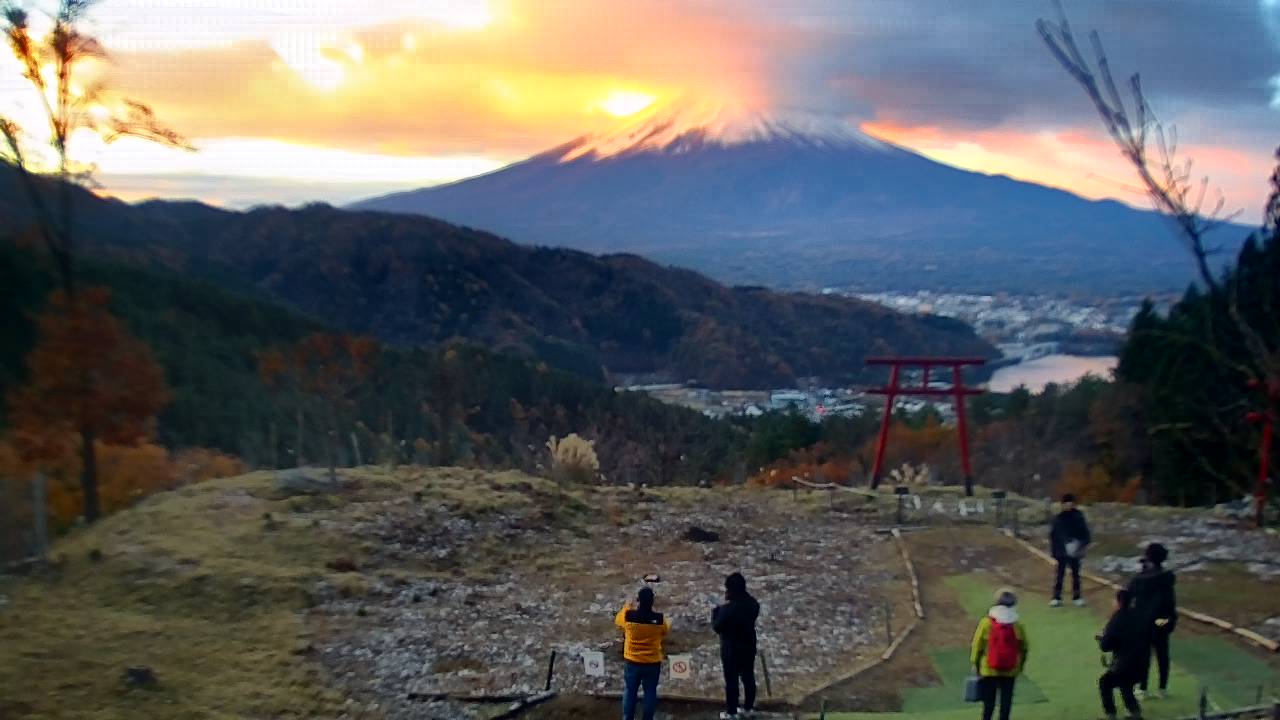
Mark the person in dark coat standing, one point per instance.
(1125, 639)
(1068, 538)
(735, 623)
(1156, 605)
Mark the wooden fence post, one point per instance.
(551, 669)
(40, 514)
(355, 446)
(764, 665)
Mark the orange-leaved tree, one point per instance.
(329, 368)
(88, 380)
(63, 67)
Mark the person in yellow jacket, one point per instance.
(644, 630)
(999, 653)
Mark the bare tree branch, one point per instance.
(1169, 184)
(50, 64)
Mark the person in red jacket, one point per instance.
(999, 654)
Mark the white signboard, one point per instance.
(681, 667)
(593, 663)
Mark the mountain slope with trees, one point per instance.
(411, 280)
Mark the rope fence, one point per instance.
(1204, 618)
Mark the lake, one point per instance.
(1050, 369)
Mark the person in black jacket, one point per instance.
(1125, 639)
(1068, 538)
(1156, 605)
(735, 623)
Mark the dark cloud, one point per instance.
(980, 63)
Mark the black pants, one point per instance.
(989, 687)
(739, 666)
(1063, 564)
(1160, 647)
(1124, 682)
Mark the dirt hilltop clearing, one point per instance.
(261, 596)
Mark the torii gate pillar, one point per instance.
(957, 391)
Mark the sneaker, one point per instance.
(1108, 717)
(1055, 603)
(1140, 694)
(1079, 602)
(729, 716)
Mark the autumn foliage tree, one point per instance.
(88, 380)
(332, 370)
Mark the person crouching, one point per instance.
(644, 630)
(999, 654)
(1124, 637)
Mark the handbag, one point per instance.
(972, 689)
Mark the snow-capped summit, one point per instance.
(687, 126)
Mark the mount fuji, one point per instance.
(806, 201)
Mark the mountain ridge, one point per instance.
(413, 281)
(749, 203)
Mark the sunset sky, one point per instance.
(296, 100)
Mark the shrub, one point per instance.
(573, 459)
(1092, 484)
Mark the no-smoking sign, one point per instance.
(593, 663)
(681, 667)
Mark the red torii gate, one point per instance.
(957, 391)
(1267, 419)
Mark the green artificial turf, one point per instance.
(1064, 663)
(1232, 678)
(953, 667)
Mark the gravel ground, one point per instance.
(401, 626)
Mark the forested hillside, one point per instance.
(412, 280)
(452, 404)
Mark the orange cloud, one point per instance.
(537, 75)
(1082, 161)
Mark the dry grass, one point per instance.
(208, 586)
(190, 583)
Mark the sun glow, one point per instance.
(623, 103)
